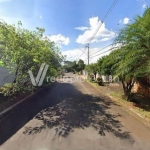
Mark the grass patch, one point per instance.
(115, 94)
(92, 82)
(141, 109)
(143, 112)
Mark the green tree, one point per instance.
(80, 65)
(74, 66)
(104, 68)
(135, 39)
(24, 50)
(92, 69)
(137, 36)
(116, 61)
(68, 66)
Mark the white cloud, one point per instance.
(144, 5)
(95, 53)
(126, 20)
(82, 28)
(101, 35)
(74, 54)
(59, 39)
(105, 39)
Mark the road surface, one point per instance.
(75, 116)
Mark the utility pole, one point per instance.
(88, 54)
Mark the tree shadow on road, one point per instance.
(80, 112)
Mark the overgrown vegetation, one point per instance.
(131, 61)
(22, 50)
(74, 66)
(92, 69)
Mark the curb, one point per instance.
(125, 108)
(16, 104)
(132, 112)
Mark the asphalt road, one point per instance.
(73, 116)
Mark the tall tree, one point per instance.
(24, 50)
(137, 36)
(92, 69)
(135, 39)
(81, 65)
(104, 68)
(116, 61)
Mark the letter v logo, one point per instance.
(40, 76)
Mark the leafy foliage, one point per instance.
(92, 69)
(22, 50)
(131, 61)
(137, 37)
(104, 66)
(74, 66)
(80, 65)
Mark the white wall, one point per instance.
(110, 79)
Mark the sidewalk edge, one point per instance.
(125, 108)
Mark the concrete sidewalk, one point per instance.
(117, 89)
(113, 87)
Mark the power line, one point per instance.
(106, 47)
(82, 51)
(106, 15)
(104, 52)
(102, 49)
(101, 23)
(81, 55)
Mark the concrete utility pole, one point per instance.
(88, 54)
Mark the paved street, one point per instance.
(75, 116)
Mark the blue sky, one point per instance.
(70, 23)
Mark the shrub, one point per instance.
(91, 77)
(100, 81)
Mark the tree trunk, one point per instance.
(127, 87)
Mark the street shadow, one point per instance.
(14, 119)
(79, 111)
(63, 108)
